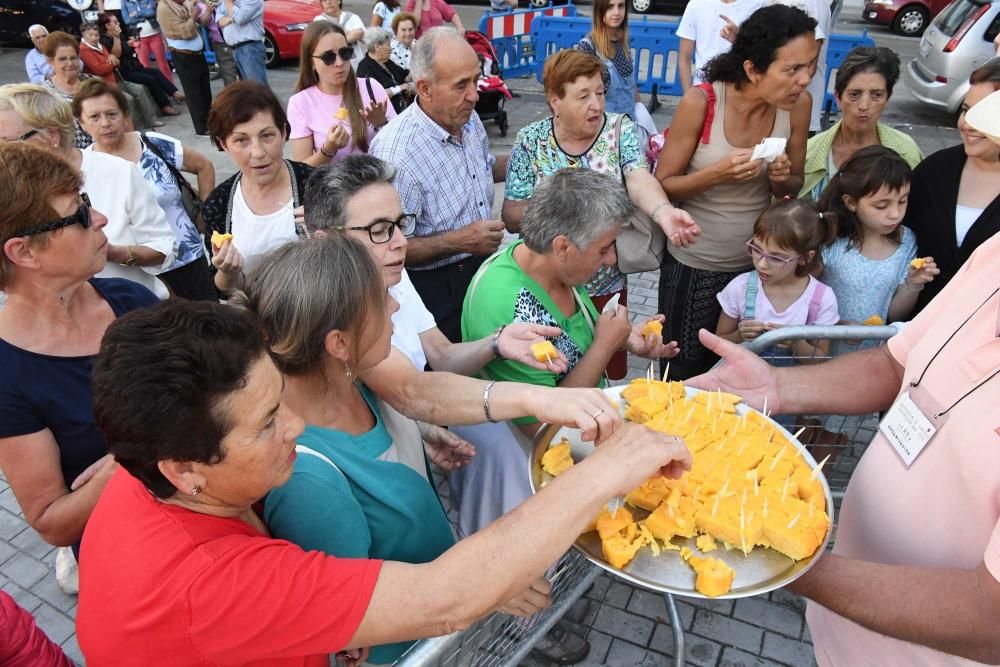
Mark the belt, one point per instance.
(244, 43)
(186, 52)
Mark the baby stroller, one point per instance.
(493, 92)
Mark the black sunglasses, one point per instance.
(24, 137)
(330, 57)
(80, 217)
(382, 230)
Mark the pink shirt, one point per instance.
(313, 112)
(943, 511)
(733, 300)
(440, 12)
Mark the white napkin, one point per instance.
(769, 149)
(612, 305)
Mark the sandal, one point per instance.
(562, 646)
(170, 111)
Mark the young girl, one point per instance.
(870, 264)
(780, 291)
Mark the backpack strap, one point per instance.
(371, 91)
(815, 302)
(706, 128)
(750, 299)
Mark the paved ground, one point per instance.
(626, 625)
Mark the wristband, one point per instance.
(322, 149)
(486, 401)
(496, 342)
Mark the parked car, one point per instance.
(907, 17)
(284, 23)
(669, 7)
(17, 15)
(959, 40)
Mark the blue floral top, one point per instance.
(537, 154)
(168, 196)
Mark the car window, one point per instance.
(991, 32)
(954, 15)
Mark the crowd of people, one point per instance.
(223, 400)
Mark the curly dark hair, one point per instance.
(160, 377)
(758, 40)
(868, 60)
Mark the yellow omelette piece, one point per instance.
(557, 459)
(218, 239)
(876, 320)
(544, 351)
(652, 327)
(918, 263)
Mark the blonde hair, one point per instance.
(40, 108)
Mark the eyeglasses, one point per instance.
(755, 250)
(80, 217)
(24, 137)
(381, 230)
(330, 57)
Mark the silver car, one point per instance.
(958, 41)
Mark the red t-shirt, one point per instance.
(161, 585)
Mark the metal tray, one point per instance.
(760, 571)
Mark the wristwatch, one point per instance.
(133, 257)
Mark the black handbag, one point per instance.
(189, 196)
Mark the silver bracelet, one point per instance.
(486, 401)
(652, 216)
(495, 343)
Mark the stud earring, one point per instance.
(195, 490)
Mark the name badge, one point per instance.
(907, 429)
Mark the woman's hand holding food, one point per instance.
(530, 601)
(515, 343)
(780, 169)
(336, 138)
(444, 448)
(636, 453)
(737, 167)
(227, 259)
(589, 410)
(613, 329)
(743, 373)
(650, 345)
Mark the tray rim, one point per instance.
(543, 438)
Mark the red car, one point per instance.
(284, 23)
(907, 17)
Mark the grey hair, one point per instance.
(424, 49)
(580, 204)
(36, 27)
(330, 187)
(376, 36)
(303, 290)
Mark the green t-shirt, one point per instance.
(363, 508)
(502, 293)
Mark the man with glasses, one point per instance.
(35, 62)
(445, 175)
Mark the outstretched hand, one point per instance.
(445, 449)
(742, 373)
(516, 340)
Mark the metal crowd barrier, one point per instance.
(510, 33)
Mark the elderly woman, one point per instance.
(581, 134)
(954, 204)
(101, 63)
(377, 65)
(569, 229)
(182, 569)
(755, 91)
(404, 29)
(140, 241)
(51, 452)
(862, 88)
(333, 113)
(63, 54)
(100, 109)
(256, 205)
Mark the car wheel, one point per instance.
(641, 6)
(910, 21)
(271, 56)
(538, 3)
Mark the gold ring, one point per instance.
(597, 414)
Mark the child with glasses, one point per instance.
(780, 291)
(871, 265)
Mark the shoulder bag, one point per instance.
(189, 196)
(641, 243)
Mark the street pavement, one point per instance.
(626, 625)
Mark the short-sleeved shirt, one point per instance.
(733, 299)
(502, 293)
(382, 508)
(944, 510)
(537, 154)
(168, 195)
(312, 112)
(411, 320)
(457, 191)
(382, 10)
(167, 586)
(865, 286)
(439, 13)
(40, 391)
(702, 24)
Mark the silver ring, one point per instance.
(597, 414)
(749, 172)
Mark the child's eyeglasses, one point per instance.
(755, 250)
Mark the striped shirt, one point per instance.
(446, 182)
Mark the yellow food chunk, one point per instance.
(650, 494)
(652, 327)
(717, 399)
(918, 263)
(876, 320)
(557, 459)
(619, 551)
(608, 524)
(662, 392)
(342, 113)
(706, 543)
(218, 239)
(712, 576)
(544, 351)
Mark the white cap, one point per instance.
(985, 116)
